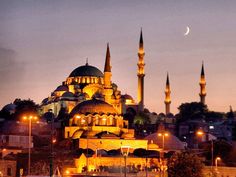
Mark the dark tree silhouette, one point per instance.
(192, 111)
(185, 164)
(25, 107)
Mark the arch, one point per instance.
(131, 110)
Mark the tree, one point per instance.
(191, 111)
(185, 164)
(25, 107)
(141, 122)
(141, 119)
(214, 116)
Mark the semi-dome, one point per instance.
(86, 70)
(61, 88)
(127, 97)
(68, 94)
(93, 106)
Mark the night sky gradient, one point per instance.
(41, 42)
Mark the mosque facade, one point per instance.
(88, 82)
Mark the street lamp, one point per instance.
(29, 118)
(125, 153)
(216, 160)
(52, 141)
(163, 135)
(201, 133)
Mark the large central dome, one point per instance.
(86, 70)
(93, 106)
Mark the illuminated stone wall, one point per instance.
(109, 144)
(118, 162)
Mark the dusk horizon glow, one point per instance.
(41, 43)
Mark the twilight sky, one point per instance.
(41, 42)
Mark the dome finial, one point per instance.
(86, 61)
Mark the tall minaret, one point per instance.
(167, 93)
(202, 84)
(141, 74)
(107, 76)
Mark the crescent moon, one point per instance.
(187, 31)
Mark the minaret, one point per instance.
(107, 76)
(141, 74)
(202, 84)
(167, 93)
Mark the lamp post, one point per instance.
(216, 160)
(29, 118)
(163, 135)
(52, 141)
(125, 153)
(201, 133)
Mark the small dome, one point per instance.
(61, 88)
(86, 70)
(127, 97)
(68, 94)
(93, 106)
(153, 146)
(45, 100)
(171, 142)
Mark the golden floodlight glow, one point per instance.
(165, 134)
(200, 132)
(218, 158)
(67, 172)
(77, 117)
(54, 140)
(4, 150)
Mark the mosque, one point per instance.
(88, 83)
(96, 106)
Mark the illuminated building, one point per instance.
(88, 82)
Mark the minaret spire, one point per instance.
(141, 74)
(202, 84)
(107, 67)
(107, 76)
(167, 93)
